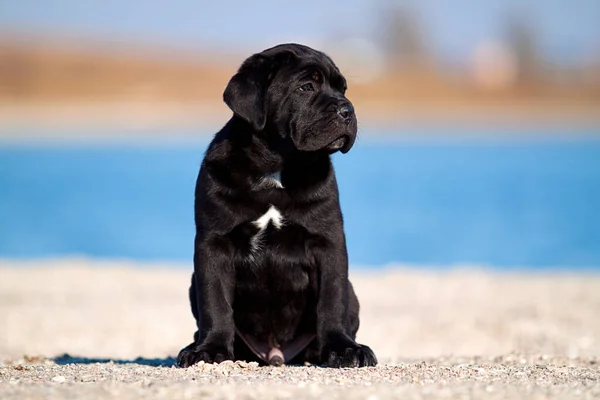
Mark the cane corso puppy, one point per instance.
(270, 279)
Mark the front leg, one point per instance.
(213, 286)
(337, 346)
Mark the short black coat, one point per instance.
(282, 287)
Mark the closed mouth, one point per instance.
(337, 144)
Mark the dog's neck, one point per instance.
(262, 151)
(265, 160)
(266, 156)
(273, 179)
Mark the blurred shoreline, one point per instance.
(97, 120)
(61, 89)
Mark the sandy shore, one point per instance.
(456, 334)
(94, 121)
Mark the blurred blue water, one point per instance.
(509, 204)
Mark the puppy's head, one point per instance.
(297, 93)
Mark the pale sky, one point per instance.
(567, 28)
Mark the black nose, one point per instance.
(346, 111)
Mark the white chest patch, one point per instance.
(272, 216)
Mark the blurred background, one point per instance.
(479, 125)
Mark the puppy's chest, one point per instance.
(277, 229)
(272, 221)
(272, 231)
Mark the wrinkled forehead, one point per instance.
(307, 62)
(324, 64)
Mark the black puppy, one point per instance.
(270, 275)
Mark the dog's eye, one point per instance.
(307, 87)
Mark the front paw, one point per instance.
(346, 353)
(195, 353)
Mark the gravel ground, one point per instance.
(81, 329)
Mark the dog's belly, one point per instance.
(275, 307)
(271, 303)
(275, 297)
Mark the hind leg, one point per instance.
(311, 353)
(194, 304)
(352, 322)
(192, 297)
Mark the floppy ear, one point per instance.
(246, 92)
